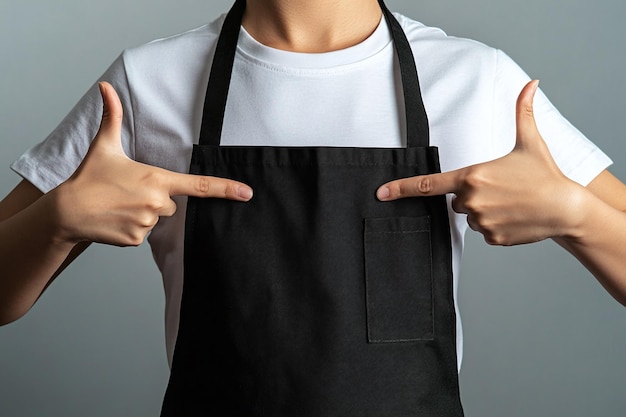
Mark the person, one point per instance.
(78, 191)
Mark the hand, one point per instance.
(520, 198)
(115, 200)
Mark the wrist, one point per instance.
(579, 207)
(61, 223)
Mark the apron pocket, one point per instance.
(398, 279)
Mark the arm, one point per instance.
(28, 248)
(110, 199)
(599, 242)
(523, 197)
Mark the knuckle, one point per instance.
(152, 179)
(412, 187)
(155, 204)
(424, 185)
(115, 116)
(229, 191)
(203, 185)
(171, 209)
(135, 238)
(527, 110)
(497, 238)
(473, 205)
(147, 220)
(491, 238)
(475, 178)
(397, 188)
(136, 241)
(487, 224)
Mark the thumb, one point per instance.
(526, 128)
(112, 114)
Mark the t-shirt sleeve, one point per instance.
(577, 157)
(54, 160)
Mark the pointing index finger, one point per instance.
(420, 186)
(206, 186)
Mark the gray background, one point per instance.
(542, 337)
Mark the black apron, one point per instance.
(314, 298)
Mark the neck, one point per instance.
(311, 26)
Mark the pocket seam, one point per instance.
(431, 326)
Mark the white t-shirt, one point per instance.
(350, 97)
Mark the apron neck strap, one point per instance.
(222, 66)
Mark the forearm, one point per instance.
(598, 241)
(31, 254)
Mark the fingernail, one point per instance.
(101, 87)
(383, 193)
(244, 193)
